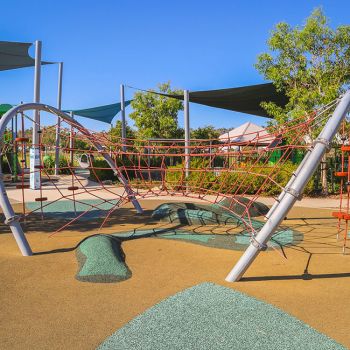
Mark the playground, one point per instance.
(159, 236)
(59, 311)
(111, 261)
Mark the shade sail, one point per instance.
(4, 107)
(103, 114)
(245, 99)
(15, 55)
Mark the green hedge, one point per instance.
(4, 165)
(49, 165)
(236, 181)
(102, 171)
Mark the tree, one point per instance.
(204, 133)
(311, 64)
(224, 130)
(156, 116)
(116, 132)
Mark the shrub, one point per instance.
(49, 165)
(4, 165)
(102, 171)
(243, 179)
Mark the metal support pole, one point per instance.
(58, 126)
(11, 219)
(35, 152)
(187, 132)
(122, 112)
(24, 145)
(12, 152)
(5, 205)
(290, 182)
(71, 142)
(293, 192)
(15, 150)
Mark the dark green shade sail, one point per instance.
(103, 114)
(4, 108)
(245, 99)
(15, 55)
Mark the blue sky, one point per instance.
(197, 45)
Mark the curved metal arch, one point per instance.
(11, 218)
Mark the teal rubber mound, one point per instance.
(101, 260)
(65, 209)
(201, 214)
(210, 316)
(282, 238)
(238, 205)
(240, 241)
(194, 214)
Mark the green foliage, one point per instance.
(4, 165)
(49, 165)
(49, 162)
(156, 116)
(81, 144)
(48, 136)
(310, 63)
(241, 181)
(223, 130)
(102, 171)
(204, 133)
(64, 165)
(116, 132)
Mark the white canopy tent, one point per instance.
(248, 133)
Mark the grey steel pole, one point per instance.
(58, 126)
(5, 205)
(37, 76)
(34, 155)
(71, 142)
(290, 182)
(122, 112)
(293, 192)
(11, 219)
(187, 131)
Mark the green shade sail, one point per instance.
(4, 108)
(103, 114)
(15, 55)
(245, 99)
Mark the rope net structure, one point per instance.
(98, 173)
(343, 215)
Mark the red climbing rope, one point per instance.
(249, 166)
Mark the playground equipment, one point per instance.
(201, 169)
(343, 215)
(85, 161)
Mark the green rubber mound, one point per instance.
(101, 260)
(193, 214)
(239, 241)
(201, 214)
(65, 210)
(283, 238)
(238, 205)
(210, 316)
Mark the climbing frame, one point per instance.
(343, 214)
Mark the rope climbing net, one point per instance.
(97, 173)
